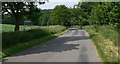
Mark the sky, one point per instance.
(52, 3)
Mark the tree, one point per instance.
(96, 15)
(114, 15)
(33, 14)
(75, 20)
(82, 12)
(60, 15)
(105, 13)
(17, 10)
(45, 18)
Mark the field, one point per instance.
(8, 28)
(13, 42)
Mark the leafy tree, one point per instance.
(105, 13)
(33, 14)
(114, 15)
(18, 9)
(96, 15)
(60, 15)
(83, 10)
(45, 18)
(75, 15)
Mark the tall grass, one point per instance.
(106, 31)
(10, 39)
(106, 40)
(14, 42)
(109, 33)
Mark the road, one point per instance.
(73, 46)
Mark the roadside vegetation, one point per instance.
(106, 42)
(100, 19)
(25, 25)
(14, 42)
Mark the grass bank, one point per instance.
(106, 41)
(14, 42)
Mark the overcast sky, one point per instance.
(52, 3)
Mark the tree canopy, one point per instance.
(60, 15)
(20, 9)
(84, 13)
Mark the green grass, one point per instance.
(109, 33)
(8, 27)
(13, 42)
(10, 39)
(105, 42)
(29, 44)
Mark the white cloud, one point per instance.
(64, 0)
(52, 3)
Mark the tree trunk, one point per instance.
(81, 27)
(16, 24)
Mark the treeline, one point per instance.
(101, 13)
(21, 11)
(88, 13)
(84, 13)
(41, 20)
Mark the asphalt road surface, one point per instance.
(73, 46)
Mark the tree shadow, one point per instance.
(59, 44)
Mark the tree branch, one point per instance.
(8, 12)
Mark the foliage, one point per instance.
(82, 11)
(60, 15)
(44, 20)
(106, 43)
(75, 16)
(104, 17)
(98, 13)
(33, 14)
(22, 46)
(18, 9)
(105, 14)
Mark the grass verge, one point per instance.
(106, 48)
(10, 39)
(29, 44)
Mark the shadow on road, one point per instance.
(56, 45)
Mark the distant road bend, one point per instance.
(73, 46)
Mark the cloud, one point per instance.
(52, 3)
(64, 0)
